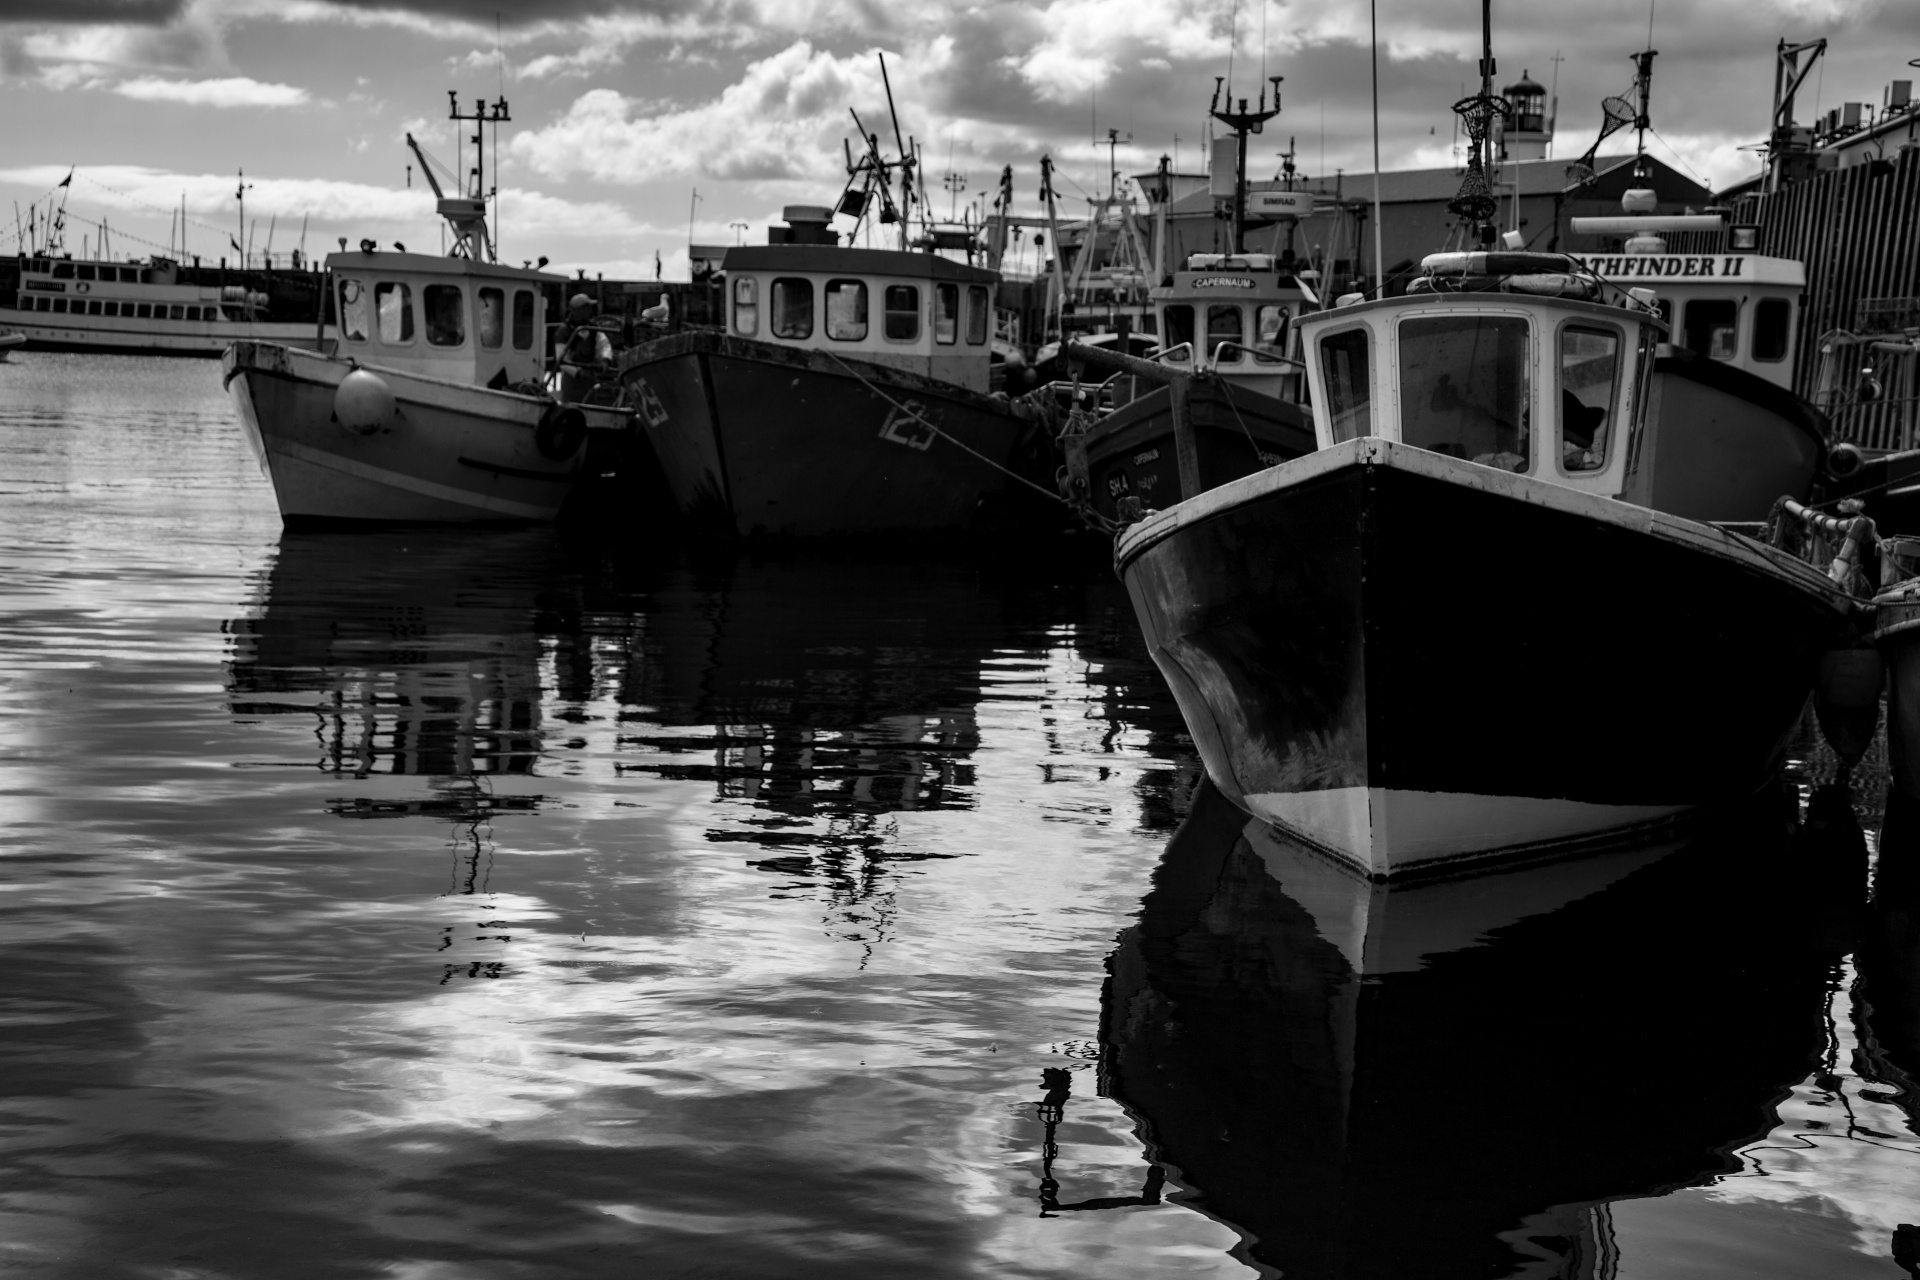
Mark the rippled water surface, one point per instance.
(508, 904)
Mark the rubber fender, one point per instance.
(562, 430)
(363, 402)
(1843, 460)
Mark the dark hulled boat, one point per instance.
(848, 394)
(1430, 641)
(1228, 321)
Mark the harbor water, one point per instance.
(512, 904)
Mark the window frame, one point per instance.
(1323, 380)
(1616, 402)
(949, 290)
(408, 328)
(1760, 308)
(776, 318)
(1528, 403)
(499, 293)
(743, 296)
(459, 313)
(888, 313)
(979, 303)
(1239, 311)
(532, 318)
(866, 308)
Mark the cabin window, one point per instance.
(1708, 327)
(1269, 333)
(1589, 382)
(792, 307)
(1179, 332)
(86, 272)
(176, 312)
(110, 309)
(946, 314)
(446, 313)
(523, 319)
(46, 304)
(63, 271)
(59, 304)
(1223, 325)
(146, 311)
(1772, 328)
(129, 275)
(393, 312)
(1346, 368)
(193, 313)
(493, 318)
(1464, 389)
(979, 305)
(746, 307)
(92, 308)
(846, 310)
(355, 319)
(901, 321)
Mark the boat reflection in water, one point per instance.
(1455, 1078)
(417, 654)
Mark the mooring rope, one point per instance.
(947, 436)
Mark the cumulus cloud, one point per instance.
(233, 91)
(782, 120)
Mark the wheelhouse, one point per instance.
(911, 311)
(1739, 309)
(1554, 388)
(452, 318)
(1234, 314)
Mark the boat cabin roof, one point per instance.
(394, 263)
(828, 259)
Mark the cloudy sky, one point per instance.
(622, 110)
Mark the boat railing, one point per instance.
(1179, 353)
(1260, 356)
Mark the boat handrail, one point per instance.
(1173, 353)
(1260, 357)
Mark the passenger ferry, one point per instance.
(157, 307)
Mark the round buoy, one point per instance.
(363, 403)
(561, 432)
(1640, 200)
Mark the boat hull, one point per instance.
(1727, 443)
(450, 453)
(1130, 452)
(1414, 662)
(755, 439)
(1896, 633)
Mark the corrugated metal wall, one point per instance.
(1858, 232)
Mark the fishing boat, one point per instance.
(156, 307)
(1734, 437)
(1428, 642)
(433, 407)
(849, 392)
(1228, 321)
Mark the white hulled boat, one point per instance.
(432, 406)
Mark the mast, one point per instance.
(1475, 203)
(1643, 81)
(1243, 122)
